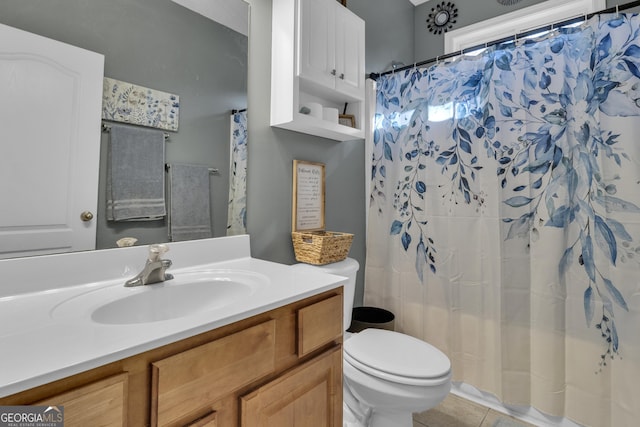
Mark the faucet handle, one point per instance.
(157, 250)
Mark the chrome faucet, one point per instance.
(154, 269)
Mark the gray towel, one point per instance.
(135, 174)
(189, 206)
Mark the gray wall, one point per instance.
(270, 158)
(161, 45)
(429, 45)
(395, 31)
(389, 32)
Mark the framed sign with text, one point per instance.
(308, 196)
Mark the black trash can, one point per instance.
(371, 317)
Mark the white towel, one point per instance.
(189, 202)
(135, 174)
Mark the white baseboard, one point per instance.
(528, 414)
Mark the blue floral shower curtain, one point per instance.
(237, 208)
(504, 223)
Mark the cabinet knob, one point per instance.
(333, 72)
(342, 76)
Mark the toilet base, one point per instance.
(391, 419)
(375, 419)
(349, 419)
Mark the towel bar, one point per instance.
(212, 171)
(107, 128)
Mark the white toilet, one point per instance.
(387, 375)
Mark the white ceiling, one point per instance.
(230, 13)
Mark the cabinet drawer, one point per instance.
(189, 382)
(319, 324)
(99, 403)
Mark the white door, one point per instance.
(50, 112)
(349, 53)
(316, 44)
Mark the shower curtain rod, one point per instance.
(550, 27)
(238, 111)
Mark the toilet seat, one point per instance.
(397, 357)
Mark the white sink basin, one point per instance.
(186, 294)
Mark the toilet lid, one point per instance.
(397, 354)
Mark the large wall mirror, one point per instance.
(197, 49)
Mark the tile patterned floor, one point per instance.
(455, 411)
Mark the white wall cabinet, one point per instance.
(316, 49)
(317, 56)
(331, 47)
(349, 52)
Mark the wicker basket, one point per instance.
(321, 247)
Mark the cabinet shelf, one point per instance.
(313, 126)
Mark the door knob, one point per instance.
(86, 216)
(342, 76)
(333, 72)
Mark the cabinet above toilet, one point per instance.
(317, 57)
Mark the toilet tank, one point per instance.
(347, 268)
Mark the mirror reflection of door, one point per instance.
(169, 48)
(50, 120)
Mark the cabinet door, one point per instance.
(309, 395)
(102, 403)
(316, 41)
(349, 53)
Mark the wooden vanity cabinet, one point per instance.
(280, 368)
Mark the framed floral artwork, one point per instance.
(129, 103)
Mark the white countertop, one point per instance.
(37, 347)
